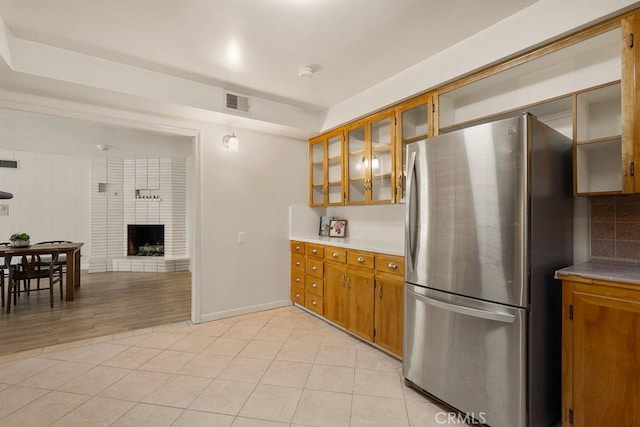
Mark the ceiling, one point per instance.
(256, 47)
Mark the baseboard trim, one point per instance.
(243, 310)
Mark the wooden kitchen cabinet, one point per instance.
(370, 161)
(600, 354)
(336, 293)
(359, 291)
(326, 169)
(414, 123)
(360, 288)
(629, 151)
(389, 300)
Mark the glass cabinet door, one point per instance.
(380, 163)
(357, 167)
(317, 166)
(334, 170)
(413, 126)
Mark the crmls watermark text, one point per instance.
(456, 418)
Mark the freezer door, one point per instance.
(466, 213)
(467, 353)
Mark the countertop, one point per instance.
(389, 248)
(621, 272)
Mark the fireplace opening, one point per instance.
(145, 240)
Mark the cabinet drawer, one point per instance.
(297, 279)
(297, 248)
(315, 303)
(390, 264)
(315, 286)
(297, 262)
(314, 268)
(297, 295)
(315, 251)
(360, 259)
(335, 254)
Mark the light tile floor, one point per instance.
(281, 367)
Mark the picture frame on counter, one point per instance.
(337, 228)
(325, 224)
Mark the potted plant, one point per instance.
(19, 239)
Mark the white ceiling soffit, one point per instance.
(189, 51)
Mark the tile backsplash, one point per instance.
(615, 228)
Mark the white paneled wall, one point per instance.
(51, 197)
(120, 206)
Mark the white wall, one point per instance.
(50, 197)
(248, 191)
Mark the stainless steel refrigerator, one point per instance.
(489, 218)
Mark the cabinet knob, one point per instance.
(335, 254)
(297, 248)
(314, 268)
(297, 262)
(392, 266)
(314, 303)
(297, 295)
(297, 279)
(314, 285)
(360, 259)
(315, 251)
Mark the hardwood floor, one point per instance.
(108, 303)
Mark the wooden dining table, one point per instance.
(71, 250)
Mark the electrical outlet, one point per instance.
(4, 210)
(240, 236)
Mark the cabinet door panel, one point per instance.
(388, 313)
(382, 173)
(335, 293)
(606, 360)
(360, 287)
(357, 166)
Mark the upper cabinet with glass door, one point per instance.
(414, 124)
(370, 162)
(325, 170)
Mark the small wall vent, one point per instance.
(237, 102)
(10, 164)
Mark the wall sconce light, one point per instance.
(231, 142)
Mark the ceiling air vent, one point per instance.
(11, 164)
(236, 102)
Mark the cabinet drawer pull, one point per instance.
(314, 268)
(314, 303)
(360, 259)
(392, 266)
(315, 251)
(297, 279)
(335, 255)
(314, 285)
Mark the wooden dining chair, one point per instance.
(62, 258)
(2, 269)
(31, 267)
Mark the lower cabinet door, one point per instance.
(606, 356)
(360, 287)
(335, 293)
(388, 313)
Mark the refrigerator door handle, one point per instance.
(468, 311)
(411, 212)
